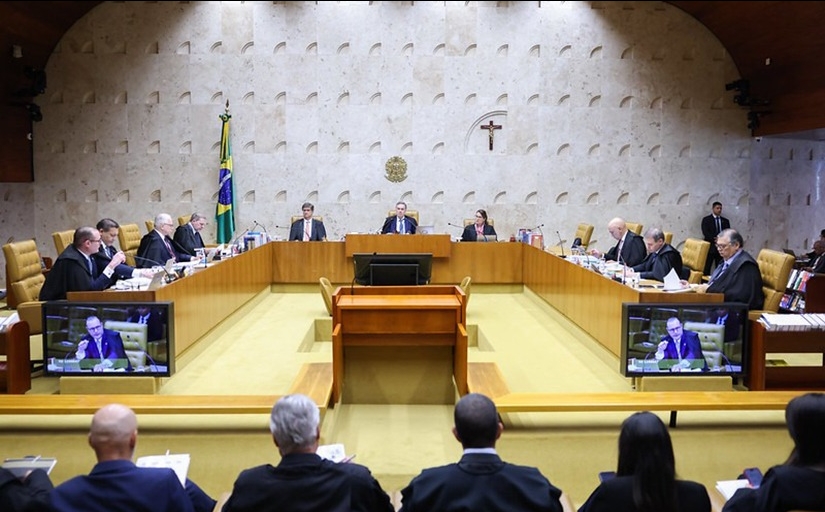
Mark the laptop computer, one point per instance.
(157, 281)
(425, 230)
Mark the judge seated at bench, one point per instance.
(478, 230)
(680, 350)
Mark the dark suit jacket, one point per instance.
(741, 282)
(691, 347)
(470, 234)
(817, 263)
(188, 239)
(304, 482)
(709, 231)
(154, 324)
(121, 482)
(633, 250)
(103, 257)
(317, 232)
(29, 495)
(112, 349)
(480, 482)
(616, 495)
(732, 323)
(657, 264)
(70, 273)
(783, 488)
(152, 251)
(391, 226)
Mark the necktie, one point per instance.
(91, 267)
(619, 250)
(719, 271)
(169, 248)
(718, 225)
(400, 227)
(111, 251)
(307, 230)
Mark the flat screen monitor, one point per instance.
(684, 339)
(111, 338)
(381, 269)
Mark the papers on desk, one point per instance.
(7, 321)
(133, 283)
(728, 487)
(177, 462)
(673, 283)
(20, 467)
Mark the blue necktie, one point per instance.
(91, 267)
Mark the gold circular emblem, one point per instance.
(396, 168)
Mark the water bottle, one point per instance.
(602, 265)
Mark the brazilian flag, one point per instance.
(225, 211)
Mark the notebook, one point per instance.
(425, 230)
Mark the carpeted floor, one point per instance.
(260, 350)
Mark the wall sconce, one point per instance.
(17, 51)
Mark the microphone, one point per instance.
(153, 366)
(261, 225)
(455, 225)
(169, 277)
(577, 242)
(245, 231)
(561, 243)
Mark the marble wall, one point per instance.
(606, 109)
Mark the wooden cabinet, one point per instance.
(763, 377)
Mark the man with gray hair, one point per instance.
(188, 237)
(661, 257)
(303, 481)
(156, 246)
(480, 480)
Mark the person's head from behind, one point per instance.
(805, 417)
(294, 424)
(646, 453)
(307, 209)
(113, 434)
(654, 239)
(481, 217)
(477, 424)
(617, 228)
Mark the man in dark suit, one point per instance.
(101, 349)
(712, 225)
(29, 493)
(153, 320)
(307, 229)
(817, 262)
(302, 480)
(115, 479)
(738, 277)
(680, 345)
(156, 247)
(480, 480)
(731, 321)
(109, 230)
(399, 223)
(661, 257)
(630, 249)
(188, 236)
(75, 270)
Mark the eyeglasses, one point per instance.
(96, 241)
(722, 246)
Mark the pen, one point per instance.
(348, 459)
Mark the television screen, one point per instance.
(684, 339)
(116, 338)
(392, 269)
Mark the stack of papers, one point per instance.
(20, 467)
(333, 452)
(178, 462)
(729, 487)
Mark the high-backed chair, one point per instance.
(134, 336)
(465, 285)
(467, 222)
(183, 219)
(694, 254)
(25, 277)
(62, 239)
(410, 213)
(712, 338)
(668, 237)
(326, 292)
(15, 371)
(299, 217)
(775, 268)
(150, 225)
(634, 227)
(129, 239)
(583, 232)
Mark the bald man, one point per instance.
(115, 479)
(630, 248)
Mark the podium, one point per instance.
(437, 245)
(399, 344)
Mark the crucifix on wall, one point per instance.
(491, 127)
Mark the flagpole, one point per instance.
(225, 209)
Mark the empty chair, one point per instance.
(465, 286)
(775, 268)
(583, 232)
(129, 239)
(326, 292)
(694, 254)
(134, 336)
(62, 239)
(25, 279)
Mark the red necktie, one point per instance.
(169, 248)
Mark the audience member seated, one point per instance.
(645, 479)
(480, 480)
(798, 483)
(76, 270)
(303, 481)
(738, 277)
(115, 479)
(479, 229)
(630, 248)
(661, 257)
(27, 494)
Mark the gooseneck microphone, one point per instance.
(561, 243)
(245, 231)
(261, 225)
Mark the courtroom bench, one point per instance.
(313, 380)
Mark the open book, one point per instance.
(178, 462)
(23, 465)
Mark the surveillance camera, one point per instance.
(758, 139)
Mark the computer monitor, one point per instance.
(385, 269)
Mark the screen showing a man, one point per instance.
(679, 349)
(101, 349)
